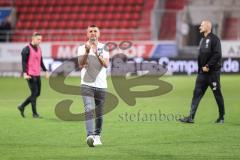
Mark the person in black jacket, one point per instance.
(209, 66)
(32, 63)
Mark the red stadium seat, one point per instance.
(134, 24)
(36, 25)
(44, 3)
(136, 16)
(58, 9)
(70, 15)
(45, 24)
(62, 24)
(106, 24)
(102, 2)
(231, 28)
(84, 9)
(109, 16)
(179, 4)
(111, 8)
(83, 16)
(52, 3)
(115, 24)
(41, 10)
(127, 16)
(119, 8)
(53, 24)
(23, 9)
(30, 17)
(26, 2)
(71, 25)
(39, 17)
(75, 9)
(100, 16)
(49, 9)
(62, 3)
(74, 16)
(20, 25)
(128, 8)
(92, 9)
(118, 16)
(122, 2)
(65, 16)
(103, 9)
(47, 17)
(56, 17)
(91, 16)
(66, 9)
(28, 25)
(140, 2)
(70, 2)
(137, 8)
(36, 3)
(114, 2)
(18, 3)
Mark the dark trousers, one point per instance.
(202, 82)
(35, 87)
(93, 99)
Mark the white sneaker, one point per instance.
(90, 141)
(97, 140)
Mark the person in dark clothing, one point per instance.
(209, 66)
(5, 30)
(32, 63)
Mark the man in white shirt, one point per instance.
(93, 61)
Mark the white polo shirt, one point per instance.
(101, 78)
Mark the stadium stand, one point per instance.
(228, 8)
(5, 3)
(231, 28)
(231, 15)
(61, 20)
(168, 23)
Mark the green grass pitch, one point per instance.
(125, 136)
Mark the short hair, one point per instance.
(36, 34)
(93, 26)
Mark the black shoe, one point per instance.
(220, 120)
(21, 111)
(37, 116)
(186, 120)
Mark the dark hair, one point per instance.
(92, 26)
(36, 34)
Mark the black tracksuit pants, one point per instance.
(35, 86)
(202, 82)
